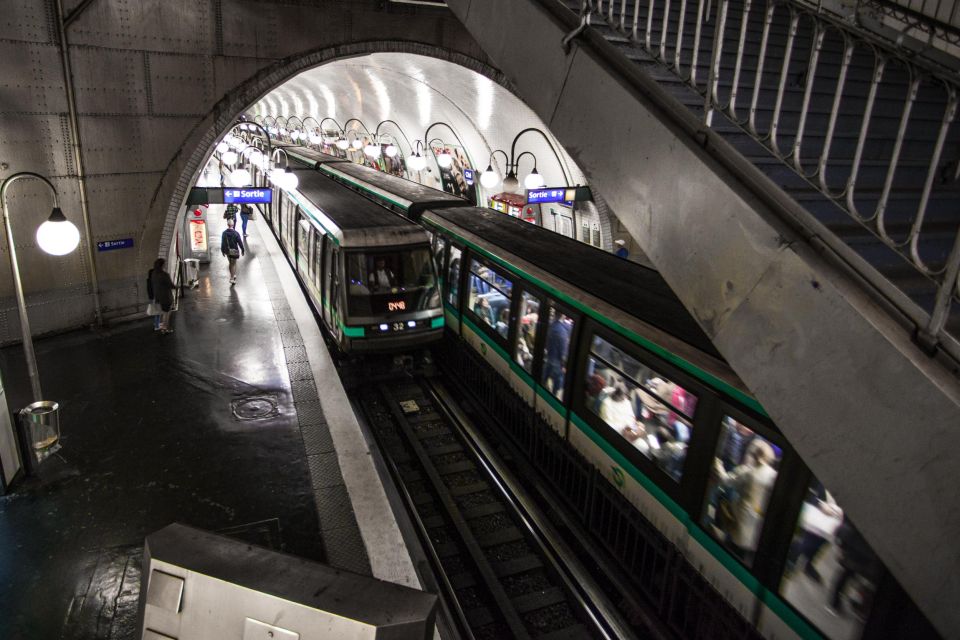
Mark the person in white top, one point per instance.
(753, 481)
(382, 277)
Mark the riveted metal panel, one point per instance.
(34, 143)
(108, 81)
(179, 84)
(228, 72)
(36, 84)
(149, 25)
(26, 20)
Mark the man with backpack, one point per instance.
(231, 246)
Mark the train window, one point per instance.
(489, 297)
(303, 247)
(651, 412)
(391, 281)
(831, 571)
(555, 351)
(526, 330)
(741, 481)
(453, 275)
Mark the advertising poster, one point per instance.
(453, 179)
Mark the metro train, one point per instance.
(367, 271)
(600, 352)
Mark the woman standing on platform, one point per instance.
(162, 293)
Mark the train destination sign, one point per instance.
(229, 195)
(558, 194)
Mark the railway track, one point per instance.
(501, 571)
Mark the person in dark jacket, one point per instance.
(156, 316)
(231, 246)
(162, 293)
(856, 559)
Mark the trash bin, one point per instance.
(41, 421)
(191, 272)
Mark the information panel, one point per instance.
(558, 194)
(229, 195)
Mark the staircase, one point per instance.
(812, 230)
(861, 136)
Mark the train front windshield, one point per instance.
(383, 283)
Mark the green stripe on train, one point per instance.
(696, 371)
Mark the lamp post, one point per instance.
(57, 236)
(490, 178)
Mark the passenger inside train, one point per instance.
(652, 413)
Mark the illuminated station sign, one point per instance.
(558, 194)
(229, 195)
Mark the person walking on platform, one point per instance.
(162, 287)
(245, 212)
(231, 246)
(153, 309)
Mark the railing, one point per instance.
(705, 47)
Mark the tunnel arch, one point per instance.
(258, 88)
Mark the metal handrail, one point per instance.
(792, 31)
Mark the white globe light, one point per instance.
(240, 178)
(276, 176)
(242, 146)
(372, 150)
(445, 160)
(290, 180)
(254, 155)
(58, 236)
(391, 151)
(510, 183)
(356, 144)
(533, 181)
(315, 138)
(230, 157)
(283, 131)
(416, 162)
(342, 144)
(296, 135)
(222, 147)
(489, 178)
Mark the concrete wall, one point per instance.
(155, 80)
(872, 416)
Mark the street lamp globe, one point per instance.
(372, 150)
(289, 180)
(533, 180)
(489, 178)
(230, 157)
(58, 236)
(445, 160)
(356, 144)
(342, 144)
(416, 162)
(391, 150)
(510, 183)
(241, 178)
(222, 147)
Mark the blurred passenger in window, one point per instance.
(555, 360)
(752, 481)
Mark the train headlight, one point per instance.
(411, 323)
(384, 327)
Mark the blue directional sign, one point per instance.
(468, 175)
(110, 245)
(558, 194)
(247, 196)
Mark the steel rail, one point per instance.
(578, 581)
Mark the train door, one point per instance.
(303, 246)
(337, 314)
(553, 383)
(327, 279)
(452, 279)
(524, 335)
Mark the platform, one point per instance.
(235, 423)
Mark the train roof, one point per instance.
(351, 219)
(631, 287)
(311, 157)
(413, 197)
